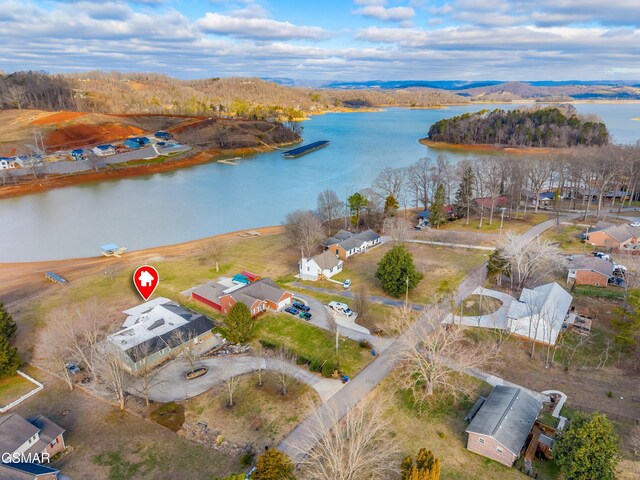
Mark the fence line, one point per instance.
(39, 386)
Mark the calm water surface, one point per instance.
(204, 200)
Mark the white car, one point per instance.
(341, 308)
(347, 283)
(635, 224)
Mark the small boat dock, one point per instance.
(303, 150)
(112, 250)
(54, 277)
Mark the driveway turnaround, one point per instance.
(497, 319)
(170, 385)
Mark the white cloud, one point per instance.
(392, 14)
(258, 28)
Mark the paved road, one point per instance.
(298, 442)
(453, 245)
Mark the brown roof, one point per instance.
(265, 289)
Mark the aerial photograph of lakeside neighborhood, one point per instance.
(339, 240)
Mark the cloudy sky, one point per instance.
(328, 39)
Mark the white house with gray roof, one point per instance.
(540, 313)
(325, 265)
(500, 427)
(345, 244)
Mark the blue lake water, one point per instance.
(204, 200)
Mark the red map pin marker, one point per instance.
(146, 280)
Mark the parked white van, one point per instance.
(341, 308)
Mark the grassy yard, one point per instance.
(477, 305)
(313, 343)
(260, 415)
(516, 225)
(441, 431)
(438, 264)
(568, 237)
(609, 293)
(12, 388)
(108, 444)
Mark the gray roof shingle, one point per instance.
(507, 415)
(14, 431)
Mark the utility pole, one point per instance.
(502, 210)
(406, 296)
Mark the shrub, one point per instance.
(328, 368)
(364, 343)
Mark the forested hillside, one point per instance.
(536, 127)
(249, 98)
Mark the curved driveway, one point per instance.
(168, 383)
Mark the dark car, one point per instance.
(72, 368)
(291, 310)
(301, 306)
(305, 315)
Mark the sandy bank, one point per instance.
(492, 148)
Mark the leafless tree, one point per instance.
(432, 352)
(282, 367)
(146, 371)
(330, 208)
(93, 160)
(110, 371)
(231, 384)
(78, 325)
(634, 439)
(186, 347)
(538, 174)
(530, 261)
(259, 363)
(390, 181)
(361, 303)
(419, 179)
(57, 356)
(354, 447)
(214, 249)
(398, 228)
(304, 230)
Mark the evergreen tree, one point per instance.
(273, 465)
(391, 205)
(397, 272)
(437, 214)
(464, 195)
(497, 266)
(427, 467)
(240, 325)
(9, 358)
(587, 449)
(357, 203)
(7, 326)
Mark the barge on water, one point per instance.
(303, 150)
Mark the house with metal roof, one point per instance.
(324, 265)
(345, 244)
(136, 142)
(500, 427)
(154, 331)
(260, 296)
(104, 150)
(27, 471)
(540, 313)
(589, 270)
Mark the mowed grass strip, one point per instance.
(12, 388)
(308, 341)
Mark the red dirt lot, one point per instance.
(81, 134)
(58, 118)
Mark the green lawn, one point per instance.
(14, 387)
(310, 342)
(611, 293)
(568, 237)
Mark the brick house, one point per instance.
(260, 296)
(499, 428)
(613, 236)
(589, 270)
(346, 244)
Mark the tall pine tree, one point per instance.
(437, 214)
(7, 326)
(464, 195)
(9, 358)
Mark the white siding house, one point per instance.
(325, 265)
(540, 313)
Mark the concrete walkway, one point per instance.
(169, 384)
(497, 319)
(562, 421)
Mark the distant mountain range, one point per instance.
(456, 85)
